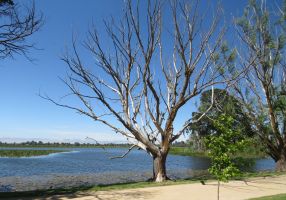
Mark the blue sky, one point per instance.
(23, 114)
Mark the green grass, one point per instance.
(26, 153)
(258, 174)
(121, 186)
(274, 197)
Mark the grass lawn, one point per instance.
(274, 197)
(11, 153)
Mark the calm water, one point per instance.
(96, 160)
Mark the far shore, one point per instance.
(175, 150)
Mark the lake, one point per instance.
(81, 164)
(97, 160)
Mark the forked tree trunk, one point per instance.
(281, 163)
(159, 168)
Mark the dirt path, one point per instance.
(234, 190)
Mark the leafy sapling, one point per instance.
(222, 147)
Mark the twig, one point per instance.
(122, 156)
(101, 146)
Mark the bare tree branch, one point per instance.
(17, 24)
(125, 154)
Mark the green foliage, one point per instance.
(224, 103)
(253, 148)
(222, 147)
(257, 27)
(224, 59)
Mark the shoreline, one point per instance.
(65, 181)
(93, 191)
(11, 184)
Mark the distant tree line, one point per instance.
(59, 144)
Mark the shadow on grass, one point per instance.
(44, 193)
(75, 192)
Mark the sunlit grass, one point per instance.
(274, 197)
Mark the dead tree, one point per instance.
(140, 83)
(262, 90)
(17, 24)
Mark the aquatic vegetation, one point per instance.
(26, 153)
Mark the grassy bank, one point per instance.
(274, 197)
(26, 153)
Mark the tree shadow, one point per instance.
(126, 195)
(43, 194)
(70, 193)
(101, 195)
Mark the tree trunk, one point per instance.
(281, 163)
(218, 185)
(159, 168)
